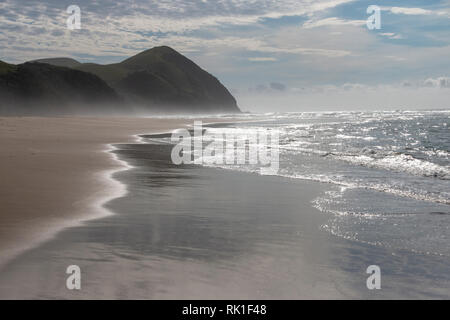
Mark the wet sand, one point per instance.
(55, 173)
(188, 232)
(185, 233)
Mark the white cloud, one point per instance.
(440, 82)
(262, 59)
(409, 11)
(350, 96)
(333, 21)
(181, 15)
(414, 11)
(121, 29)
(391, 35)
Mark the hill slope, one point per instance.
(162, 77)
(38, 89)
(156, 80)
(6, 67)
(60, 62)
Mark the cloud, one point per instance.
(333, 21)
(440, 82)
(409, 11)
(391, 35)
(262, 59)
(414, 11)
(349, 96)
(260, 88)
(111, 28)
(270, 88)
(173, 15)
(244, 42)
(354, 87)
(277, 86)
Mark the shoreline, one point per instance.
(22, 228)
(164, 250)
(198, 246)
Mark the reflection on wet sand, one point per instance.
(197, 233)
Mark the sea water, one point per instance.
(389, 171)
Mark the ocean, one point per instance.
(389, 171)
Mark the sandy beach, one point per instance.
(55, 173)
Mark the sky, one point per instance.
(273, 55)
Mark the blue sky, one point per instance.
(281, 55)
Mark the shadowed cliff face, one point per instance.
(156, 80)
(163, 76)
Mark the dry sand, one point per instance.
(55, 173)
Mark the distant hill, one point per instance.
(39, 89)
(60, 62)
(163, 77)
(156, 80)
